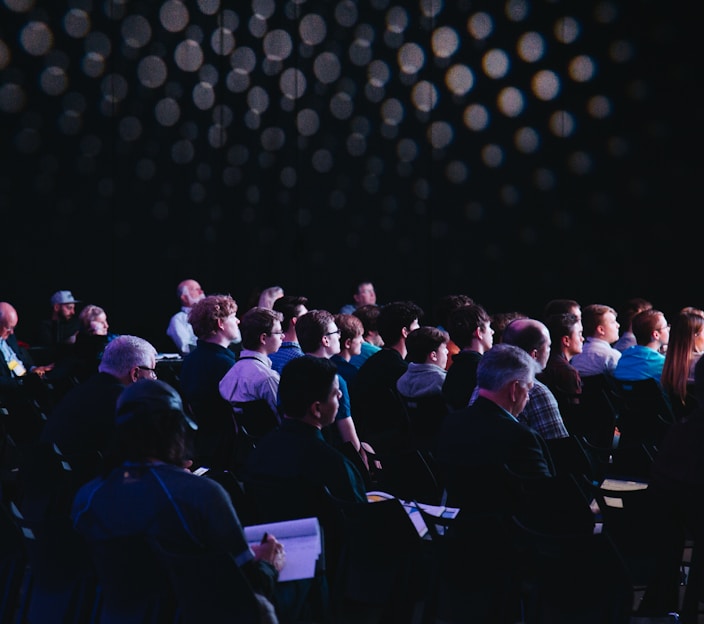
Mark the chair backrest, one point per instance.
(209, 586)
(629, 520)
(425, 417)
(380, 543)
(256, 418)
(63, 577)
(645, 414)
(381, 418)
(572, 576)
(241, 501)
(570, 458)
(408, 476)
(554, 504)
(594, 417)
(13, 560)
(628, 462)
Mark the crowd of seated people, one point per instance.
(348, 394)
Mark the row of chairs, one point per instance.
(634, 411)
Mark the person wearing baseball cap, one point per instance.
(58, 333)
(152, 494)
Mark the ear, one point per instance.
(514, 390)
(314, 410)
(348, 344)
(134, 374)
(433, 356)
(404, 333)
(262, 338)
(565, 341)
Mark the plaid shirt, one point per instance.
(287, 351)
(542, 413)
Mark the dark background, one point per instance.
(143, 144)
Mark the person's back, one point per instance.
(309, 396)
(677, 484)
(427, 356)
(625, 318)
(151, 494)
(290, 468)
(600, 331)
(470, 328)
(381, 371)
(215, 322)
(644, 360)
(472, 449)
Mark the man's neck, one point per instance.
(399, 347)
(320, 352)
(218, 339)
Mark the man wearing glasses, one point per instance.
(252, 377)
(319, 336)
(82, 422)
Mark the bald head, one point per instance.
(530, 335)
(8, 320)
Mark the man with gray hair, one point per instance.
(83, 421)
(474, 448)
(488, 434)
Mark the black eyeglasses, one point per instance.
(278, 333)
(332, 333)
(146, 368)
(661, 328)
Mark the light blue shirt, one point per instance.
(639, 362)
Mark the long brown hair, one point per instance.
(678, 358)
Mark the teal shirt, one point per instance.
(639, 362)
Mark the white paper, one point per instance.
(302, 543)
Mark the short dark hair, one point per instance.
(290, 308)
(255, 322)
(394, 316)
(559, 306)
(304, 380)
(445, 305)
(368, 314)
(464, 321)
(311, 328)
(423, 341)
(645, 323)
(560, 325)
